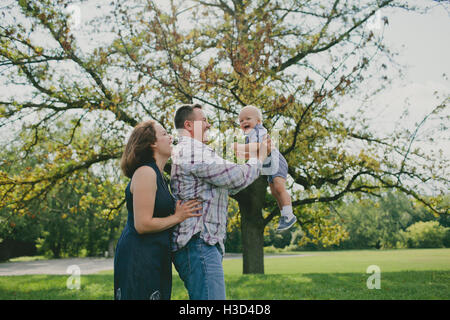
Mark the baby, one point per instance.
(275, 166)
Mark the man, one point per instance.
(199, 173)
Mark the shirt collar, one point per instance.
(190, 146)
(187, 139)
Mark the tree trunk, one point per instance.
(251, 202)
(56, 250)
(252, 242)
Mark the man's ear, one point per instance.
(188, 125)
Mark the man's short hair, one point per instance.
(184, 113)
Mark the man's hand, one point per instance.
(254, 150)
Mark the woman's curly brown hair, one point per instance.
(138, 150)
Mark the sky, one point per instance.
(423, 44)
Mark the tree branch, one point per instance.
(293, 60)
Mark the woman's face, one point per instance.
(163, 144)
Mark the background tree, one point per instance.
(73, 218)
(380, 222)
(371, 222)
(295, 59)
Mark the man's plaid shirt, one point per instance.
(199, 173)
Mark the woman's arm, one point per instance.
(143, 187)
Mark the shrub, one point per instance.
(428, 234)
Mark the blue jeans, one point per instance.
(200, 267)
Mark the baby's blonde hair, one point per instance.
(255, 108)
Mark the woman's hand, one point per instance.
(187, 209)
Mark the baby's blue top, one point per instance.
(257, 135)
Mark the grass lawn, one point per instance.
(405, 274)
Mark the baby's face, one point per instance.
(248, 119)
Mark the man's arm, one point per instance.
(227, 175)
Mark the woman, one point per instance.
(142, 262)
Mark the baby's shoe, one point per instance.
(286, 223)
